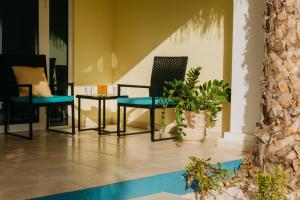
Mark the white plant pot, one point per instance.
(196, 126)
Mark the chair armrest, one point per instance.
(131, 86)
(71, 85)
(67, 84)
(151, 91)
(18, 86)
(29, 86)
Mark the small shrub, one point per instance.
(243, 177)
(204, 177)
(271, 186)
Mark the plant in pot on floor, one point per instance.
(197, 105)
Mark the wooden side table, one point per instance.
(101, 107)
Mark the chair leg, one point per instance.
(152, 123)
(30, 110)
(48, 117)
(118, 121)
(31, 115)
(124, 119)
(63, 112)
(72, 121)
(6, 117)
(125, 123)
(73, 117)
(12, 112)
(79, 114)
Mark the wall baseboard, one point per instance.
(237, 141)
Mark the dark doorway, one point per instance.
(19, 25)
(59, 57)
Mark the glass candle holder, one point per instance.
(102, 89)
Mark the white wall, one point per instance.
(248, 54)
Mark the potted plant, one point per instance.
(197, 105)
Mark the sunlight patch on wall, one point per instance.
(100, 65)
(114, 60)
(206, 51)
(203, 49)
(88, 69)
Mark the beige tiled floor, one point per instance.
(54, 163)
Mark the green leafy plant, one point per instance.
(204, 177)
(271, 186)
(190, 95)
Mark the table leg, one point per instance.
(79, 110)
(104, 114)
(118, 121)
(99, 117)
(124, 120)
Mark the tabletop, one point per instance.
(100, 96)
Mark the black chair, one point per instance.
(52, 62)
(10, 95)
(164, 69)
(58, 76)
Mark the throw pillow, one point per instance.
(34, 76)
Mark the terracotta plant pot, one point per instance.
(196, 126)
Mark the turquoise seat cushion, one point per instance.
(142, 101)
(43, 100)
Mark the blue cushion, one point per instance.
(143, 101)
(43, 100)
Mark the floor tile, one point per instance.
(35, 168)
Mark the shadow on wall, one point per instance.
(141, 26)
(253, 63)
(144, 29)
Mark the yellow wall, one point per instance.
(93, 36)
(148, 28)
(126, 35)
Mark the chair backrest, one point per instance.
(7, 76)
(166, 69)
(52, 62)
(61, 74)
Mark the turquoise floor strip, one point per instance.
(172, 182)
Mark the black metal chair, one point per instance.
(58, 76)
(164, 69)
(10, 95)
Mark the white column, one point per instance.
(44, 29)
(44, 47)
(247, 59)
(71, 41)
